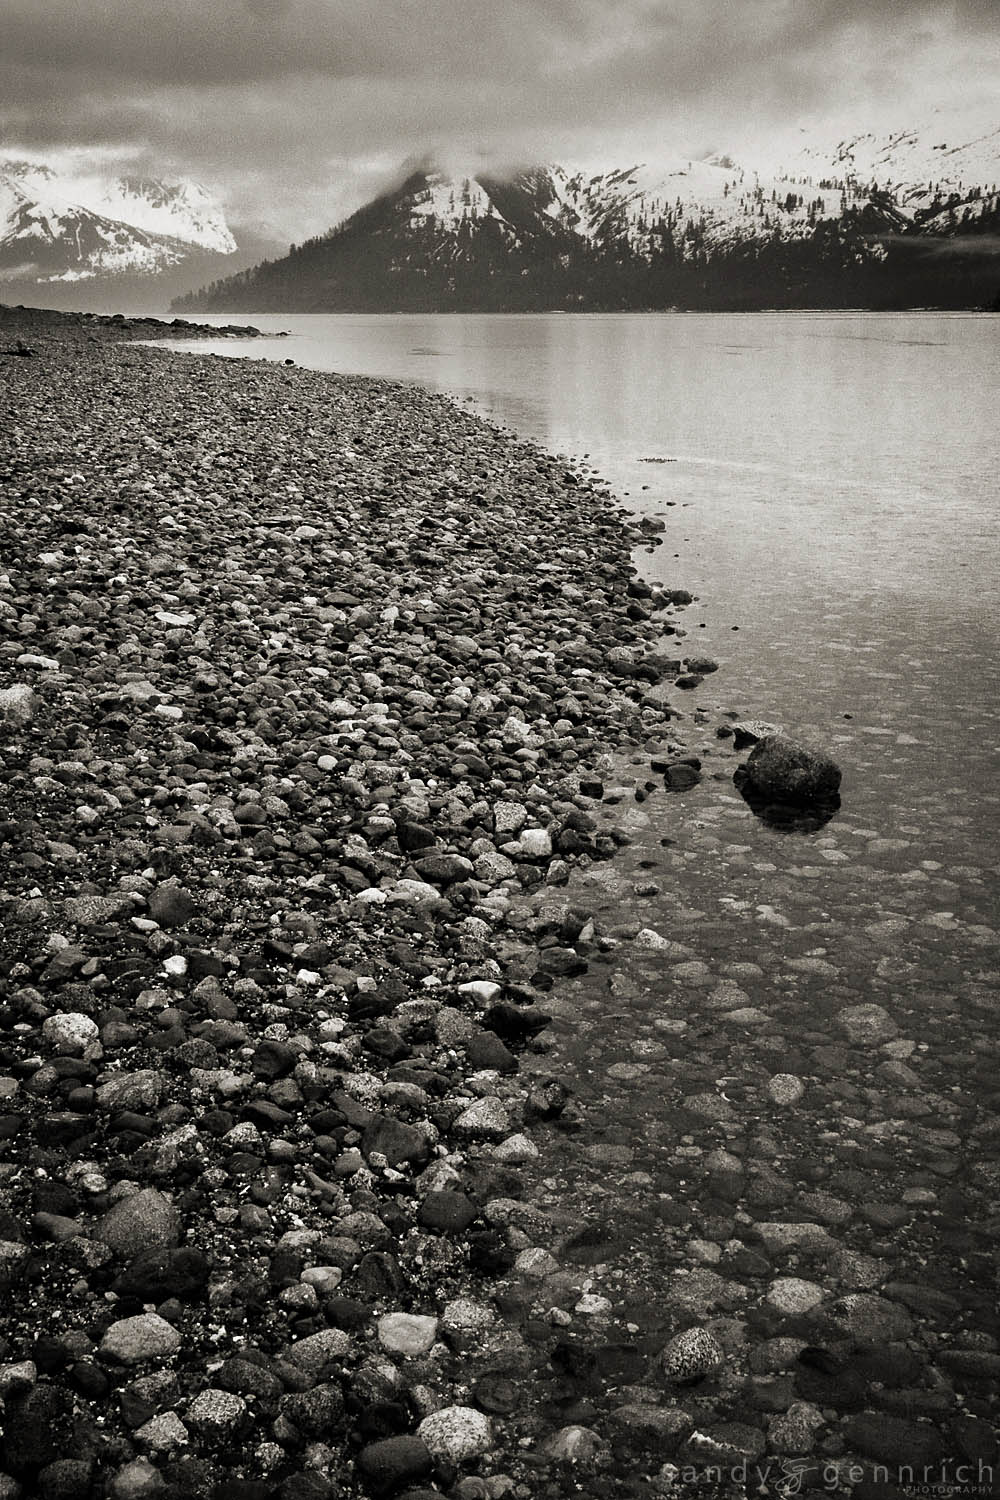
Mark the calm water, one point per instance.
(830, 487)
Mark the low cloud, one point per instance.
(295, 109)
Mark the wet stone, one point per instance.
(795, 1430)
(391, 1463)
(791, 1296)
(894, 1440)
(785, 1089)
(867, 1025)
(691, 1355)
(456, 1434)
(446, 1211)
(866, 1316)
(141, 1221)
(140, 1340)
(408, 1334)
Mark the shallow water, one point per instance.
(829, 487)
(829, 484)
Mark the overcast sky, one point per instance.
(294, 111)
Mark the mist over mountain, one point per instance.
(894, 221)
(103, 243)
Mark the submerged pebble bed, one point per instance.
(379, 1115)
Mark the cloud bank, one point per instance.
(295, 110)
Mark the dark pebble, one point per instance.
(388, 1464)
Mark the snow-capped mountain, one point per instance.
(903, 177)
(98, 233)
(182, 211)
(894, 221)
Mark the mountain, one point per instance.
(896, 221)
(93, 241)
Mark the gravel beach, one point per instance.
(422, 1072)
(307, 686)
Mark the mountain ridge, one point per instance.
(100, 239)
(857, 226)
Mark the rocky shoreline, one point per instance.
(420, 1073)
(307, 686)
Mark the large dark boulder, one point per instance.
(779, 769)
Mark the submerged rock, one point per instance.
(784, 770)
(691, 1355)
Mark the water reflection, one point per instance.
(785, 817)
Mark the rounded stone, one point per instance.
(515, 1150)
(571, 1444)
(456, 1434)
(145, 1220)
(864, 1315)
(215, 1413)
(465, 1319)
(171, 906)
(692, 1354)
(784, 769)
(140, 1340)
(446, 1211)
(70, 1032)
(794, 1430)
(137, 1480)
(785, 1089)
(17, 703)
(317, 1350)
(791, 1295)
(409, 1334)
(867, 1025)
(394, 1460)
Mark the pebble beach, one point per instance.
(329, 715)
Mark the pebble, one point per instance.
(137, 1480)
(317, 1350)
(691, 1354)
(794, 1431)
(867, 1025)
(785, 1089)
(408, 1334)
(216, 1415)
(394, 1461)
(18, 703)
(456, 1434)
(70, 1033)
(485, 1120)
(571, 1445)
(792, 1295)
(140, 1340)
(143, 1220)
